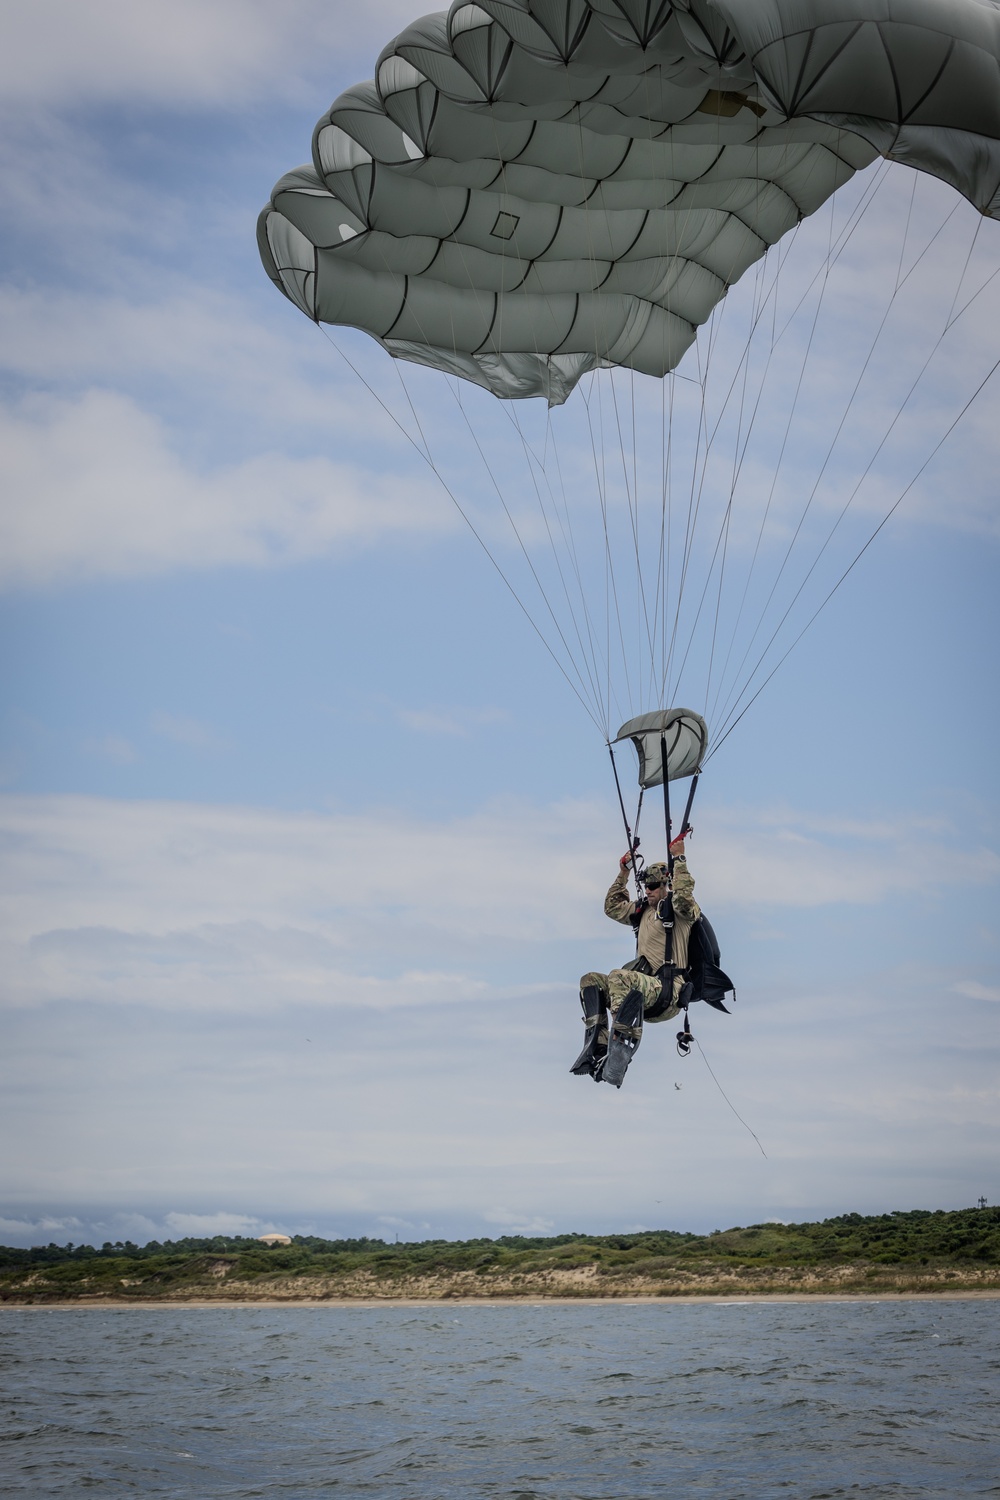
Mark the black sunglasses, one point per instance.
(654, 885)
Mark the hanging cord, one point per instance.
(718, 1085)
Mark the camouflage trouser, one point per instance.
(616, 985)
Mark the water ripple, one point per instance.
(817, 1401)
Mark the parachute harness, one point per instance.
(665, 908)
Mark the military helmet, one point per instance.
(657, 873)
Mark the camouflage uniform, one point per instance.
(652, 942)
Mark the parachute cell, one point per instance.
(531, 189)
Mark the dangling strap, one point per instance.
(684, 1037)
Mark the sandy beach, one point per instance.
(970, 1295)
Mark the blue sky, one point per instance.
(306, 837)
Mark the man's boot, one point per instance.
(595, 1041)
(623, 1043)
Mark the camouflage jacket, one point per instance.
(651, 936)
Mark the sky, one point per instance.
(306, 828)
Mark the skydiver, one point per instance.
(655, 984)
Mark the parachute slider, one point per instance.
(682, 732)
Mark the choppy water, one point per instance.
(737, 1401)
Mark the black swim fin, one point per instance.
(626, 1034)
(595, 1045)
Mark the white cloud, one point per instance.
(779, 857)
(211, 53)
(112, 747)
(204, 1226)
(208, 908)
(458, 722)
(232, 358)
(509, 1221)
(93, 488)
(973, 990)
(189, 732)
(47, 1229)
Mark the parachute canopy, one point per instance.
(686, 735)
(531, 189)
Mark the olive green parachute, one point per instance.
(531, 189)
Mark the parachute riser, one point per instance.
(685, 821)
(666, 806)
(631, 838)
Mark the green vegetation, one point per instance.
(916, 1242)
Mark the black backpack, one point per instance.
(708, 981)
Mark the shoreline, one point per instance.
(528, 1300)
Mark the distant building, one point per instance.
(274, 1239)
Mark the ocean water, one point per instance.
(731, 1400)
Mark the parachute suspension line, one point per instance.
(743, 373)
(906, 232)
(594, 711)
(663, 548)
(784, 443)
(600, 466)
(853, 564)
(699, 469)
(663, 545)
(585, 396)
(784, 250)
(531, 461)
(568, 532)
(425, 452)
(457, 397)
(565, 519)
(994, 273)
(650, 626)
(764, 298)
(585, 653)
(632, 489)
(739, 453)
(699, 478)
(693, 507)
(611, 586)
(465, 517)
(734, 702)
(524, 552)
(601, 703)
(900, 282)
(853, 221)
(722, 539)
(632, 499)
(738, 469)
